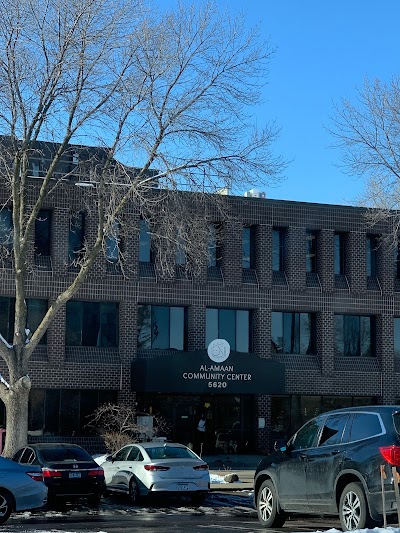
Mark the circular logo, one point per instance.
(218, 350)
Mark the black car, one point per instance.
(332, 466)
(68, 471)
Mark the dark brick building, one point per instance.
(307, 287)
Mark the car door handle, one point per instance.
(334, 452)
(303, 456)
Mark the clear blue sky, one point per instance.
(325, 48)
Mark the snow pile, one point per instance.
(375, 530)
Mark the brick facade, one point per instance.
(322, 373)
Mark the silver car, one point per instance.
(155, 468)
(21, 488)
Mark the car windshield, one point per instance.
(64, 454)
(170, 452)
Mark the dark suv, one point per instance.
(332, 466)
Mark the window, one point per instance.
(293, 333)
(372, 252)
(113, 242)
(339, 257)
(333, 430)
(214, 246)
(364, 426)
(92, 324)
(65, 412)
(354, 335)
(306, 436)
(161, 327)
(278, 238)
(311, 251)
(233, 325)
(180, 256)
(145, 255)
(76, 236)
(248, 247)
(43, 233)
(6, 228)
(396, 337)
(397, 260)
(36, 309)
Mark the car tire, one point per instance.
(6, 506)
(353, 508)
(268, 511)
(134, 494)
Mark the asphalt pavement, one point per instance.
(243, 466)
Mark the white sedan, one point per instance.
(153, 467)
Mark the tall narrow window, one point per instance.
(278, 236)
(396, 326)
(113, 242)
(43, 233)
(340, 249)
(6, 228)
(311, 251)
(180, 257)
(248, 247)
(214, 245)
(145, 255)
(76, 236)
(372, 252)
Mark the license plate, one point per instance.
(74, 474)
(182, 486)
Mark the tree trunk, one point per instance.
(16, 420)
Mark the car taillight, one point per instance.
(49, 473)
(391, 454)
(96, 472)
(152, 468)
(201, 467)
(37, 476)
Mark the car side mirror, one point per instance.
(110, 458)
(280, 445)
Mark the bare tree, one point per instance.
(171, 91)
(367, 131)
(121, 424)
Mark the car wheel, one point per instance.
(353, 508)
(6, 506)
(94, 501)
(134, 494)
(268, 511)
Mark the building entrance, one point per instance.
(229, 420)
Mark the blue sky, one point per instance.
(325, 48)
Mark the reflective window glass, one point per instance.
(248, 251)
(277, 250)
(306, 436)
(76, 236)
(311, 251)
(396, 337)
(233, 325)
(112, 243)
(354, 335)
(293, 333)
(43, 233)
(144, 242)
(6, 228)
(333, 430)
(161, 327)
(371, 256)
(92, 324)
(339, 253)
(364, 425)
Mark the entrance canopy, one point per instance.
(240, 373)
